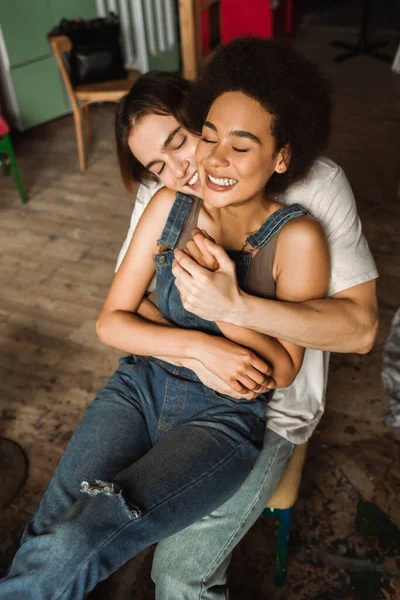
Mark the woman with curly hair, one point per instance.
(159, 449)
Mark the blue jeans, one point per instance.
(176, 450)
(192, 564)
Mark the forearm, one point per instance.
(335, 325)
(283, 368)
(149, 311)
(131, 333)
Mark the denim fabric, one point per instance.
(192, 564)
(174, 468)
(168, 294)
(173, 450)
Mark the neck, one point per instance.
(249, 214)
(231, 225)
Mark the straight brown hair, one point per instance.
(156, 92)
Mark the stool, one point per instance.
(280, 507)
(6, 146)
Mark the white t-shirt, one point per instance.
(294, 411)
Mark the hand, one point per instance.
(215, 383)
(238, 367)
(197, 250)
(213, 296)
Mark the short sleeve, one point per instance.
(351, 259)
(327, 195)
(144, 194)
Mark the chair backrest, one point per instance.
(60, 44)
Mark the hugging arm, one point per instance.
(301, 272)
(345, 322)
(152, 313)
(119, 324)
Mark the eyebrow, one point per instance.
(236, 132)
(164, 146)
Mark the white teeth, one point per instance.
(194, 179)
(222, 181)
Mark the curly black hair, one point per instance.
(287, 85)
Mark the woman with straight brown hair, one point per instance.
(158, 449)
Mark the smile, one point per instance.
(222, 180)
(194, 179)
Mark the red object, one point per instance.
(4, 128)
(241, 17)
(205, 32)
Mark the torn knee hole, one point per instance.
(108, 489)
(100, 487)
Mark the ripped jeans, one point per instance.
(177, 451)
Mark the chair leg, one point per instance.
(8, 147)
(4, 160)
(88, 125)
(283, 541)
(79, 140)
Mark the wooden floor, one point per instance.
(57, 259)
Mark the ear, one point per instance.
(282, 160)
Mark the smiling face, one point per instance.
(235, 155)
(167, 150)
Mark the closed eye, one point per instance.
(182, 142)
(208, 141)
(240, 149)
(161, 170)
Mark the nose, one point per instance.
(179, 167)
(217, 157)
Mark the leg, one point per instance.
(111, 435)
(192, 563)
(190, 471)
(8, 147)
(79, 139)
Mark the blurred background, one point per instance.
(64, 215)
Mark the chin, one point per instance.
(219, 202)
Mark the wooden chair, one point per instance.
(6, 147)
(190, 34)
(280, 507)
(81, 96)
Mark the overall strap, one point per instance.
(176, 219)
(274, 224)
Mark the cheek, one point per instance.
(259, 170)
(167, 178)
(192, 148)
(201, 153)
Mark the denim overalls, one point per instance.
(176, 450)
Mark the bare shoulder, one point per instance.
(156, 212)
(151, 224)
(301, 232)
(162, 201)
(301, 266)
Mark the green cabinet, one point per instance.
(69, 9)
(150, 40)
(24, 24)
(39, 91)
